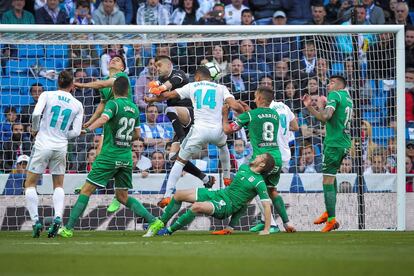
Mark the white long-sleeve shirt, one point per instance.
(61, 120)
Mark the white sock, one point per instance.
(32, 203)
(175, 174)
(205, 179)
(259, 203)
(224, 156)
(58, 201)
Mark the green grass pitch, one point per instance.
(199, 253)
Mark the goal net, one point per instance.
(293, 62)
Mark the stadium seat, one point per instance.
(380, 135)
(30, 51)
(56, 51)
(14, 184)
(337, 68)
(212, 151)
(57, 64)
(20, 67)
(13, 98)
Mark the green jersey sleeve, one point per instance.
(110, 109)
(243, 119)
(333, 100)
(262, 191)
(137, 122)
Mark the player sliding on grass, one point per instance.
(121, 124)
(337, 115)
(263, 125)
(55, 114)
(208, 98)
(181, 114)
(232, 201)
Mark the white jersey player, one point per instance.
(208, 99)
(287, 124)
(57, 117)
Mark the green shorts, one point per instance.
(104, 169)
(332, 159)
(272, 179)
(222, 205)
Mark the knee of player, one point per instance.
(197, 207)
(272, 192)
(122, 196)
(170, 109)
(88, 189)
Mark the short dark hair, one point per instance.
(159, 58)
(65, 79)
(339, 77)
(121, 57)
(36, 84)
(203, 72)
(267, 93)
(269, 165)
(157, 151)
(121, 86)
(246, 11)
(9, 109)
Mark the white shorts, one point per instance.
(42, 159)
(197, 137)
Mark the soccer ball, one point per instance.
(214, 70)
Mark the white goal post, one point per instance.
(103, 34)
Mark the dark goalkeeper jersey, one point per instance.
(178, 79)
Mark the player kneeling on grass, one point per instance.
(120, 119)
(221, 204)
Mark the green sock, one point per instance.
(139, 209)
(280, 208)
(182, 221)
(77, 210)
(330, 199)
(172, 208)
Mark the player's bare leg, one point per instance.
(32, 202)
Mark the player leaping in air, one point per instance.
(120, 119)
(337, 115)
(231, 201)
(263, 125)
(208, 99)
(117, 67)
(181, 114)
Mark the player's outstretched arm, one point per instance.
(98, 112)
(267, 214)
(293, 125)
(99, 84)
(323, 115)
(137, 133)
(235, 105)
(97, 124)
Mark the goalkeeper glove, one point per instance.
(157, 90)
